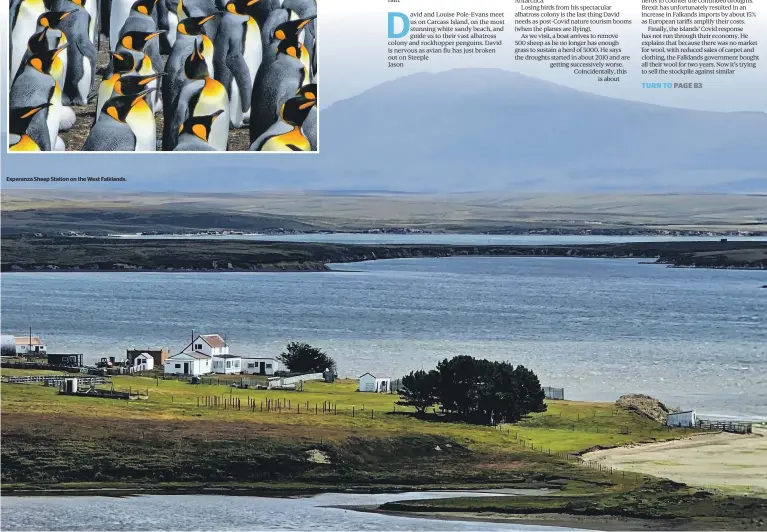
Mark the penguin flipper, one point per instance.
(237, 65)
(181, 113)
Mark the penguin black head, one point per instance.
(38, 42)
(43, 61)
(145, 7)
(308, 91)
(134, 84)
(137, 40)
(20, 117)
(52, 19)
(295, 110)
(242, 7)
(199, 125)
(123, 63)
(195, 66)
(290, 46)
(195, 25)
(119, 107)
(291, 28)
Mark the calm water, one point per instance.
(599, 327)
(451, 239)
(211, 512)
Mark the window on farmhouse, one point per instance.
(178, 366)
(268, 366)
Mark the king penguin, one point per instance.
(142, 18)
(286, 133)
(133, 42)
(190, 32)
(304, 9)
(276, 82)
(200, 96)
(37, 86)
(142, 120)
(122, 64)
(309, 127)
(24, 15)
(193, 135)
(81, 52)
(49, 39)
(48, 36)
(199, 8)
(19, 121)
(237, 54)
(115, 130)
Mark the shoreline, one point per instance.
(608, 523)
(730, 462)
(93, 254)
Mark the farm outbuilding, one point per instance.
(159, 355)
(193, 363)
(142, 362)
(370, 383)
(682, 419)
(260, 366)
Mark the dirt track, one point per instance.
(734, 463)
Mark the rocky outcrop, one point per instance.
(644, 405)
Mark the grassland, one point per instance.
(364, 442)
(121, 211)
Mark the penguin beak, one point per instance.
(43, 34)
(305, 21)
(151, 78)
(251, 2)
(216, 114)
(117, 56)
(308, 105)
(155, 34)
(140, 96)
(35, 110)
(67, 13)
(208, 18)
(59, 50)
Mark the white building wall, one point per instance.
(367, 383)
(682, 419)
(252, 366)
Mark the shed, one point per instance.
(192, 363)
(370, 383)
(142, 362)
(30, 346)
(227, 364)
(65, 359)
(682, 419)
(159, 355)
(260, 365)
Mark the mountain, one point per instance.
(489, 129)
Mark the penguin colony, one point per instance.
(199, 69)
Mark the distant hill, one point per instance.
(489, 129)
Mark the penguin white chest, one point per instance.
(253, 48)
(213, 98)
(84, 83)
(54, 115)
(25, 27)
(118, 14)
(172, 23)
(142, 123)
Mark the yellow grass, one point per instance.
(568, 426)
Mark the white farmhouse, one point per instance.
(260, 366)
(227, 364)
(142, 362)
(191, 363)
(208, 344)
(370, 383)
(682, 419)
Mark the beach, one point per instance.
(730, 462)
